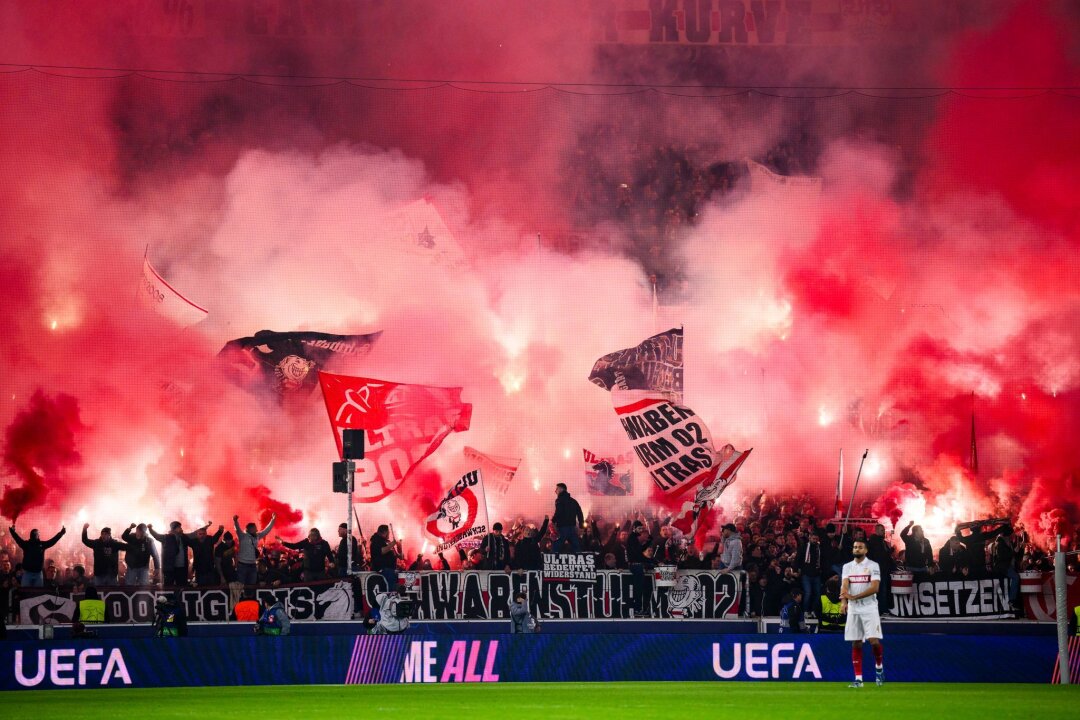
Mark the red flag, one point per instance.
(403, 423)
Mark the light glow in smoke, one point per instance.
(824, 417)
(873, 466)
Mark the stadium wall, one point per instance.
(510, 658)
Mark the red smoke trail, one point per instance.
(891, 503)
(288, 518)
(40, 444)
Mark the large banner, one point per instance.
(987, 598)
(677, 450)
(462, 517)
(324, 601)
(288, 361)
(475, 657)
(668, 438)
(403, 423)
(461, 595)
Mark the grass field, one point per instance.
(561, 701)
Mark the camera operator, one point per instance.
(521, 619)
(170, 620)
(394, 612)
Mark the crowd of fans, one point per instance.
(779, 543)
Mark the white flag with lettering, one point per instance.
(156, 293)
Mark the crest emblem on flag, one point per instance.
(462, 516)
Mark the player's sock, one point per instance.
(856, 661)
(879, 656)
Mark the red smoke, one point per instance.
(40, 444)
(426, 490)
(1028, 151)
(288, 518)
(891, 503)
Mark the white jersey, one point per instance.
(859, 576)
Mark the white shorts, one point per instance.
(862, 626)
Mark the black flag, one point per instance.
(654, 364)
(288, 361)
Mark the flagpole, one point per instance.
(853, 491)
(138, 285)
(655, 304)
(349, 512)
(839, 486)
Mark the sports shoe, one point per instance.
(856, 684)
(879, 676)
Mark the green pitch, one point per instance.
(589, 701)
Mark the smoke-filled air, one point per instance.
(890, 270)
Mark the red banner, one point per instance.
(403, 424)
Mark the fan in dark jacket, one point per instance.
(203, 561)
(33, 562)
(315, 551)
(567, 519)
(141, 549)
(496, 549)
(174, 553)
(106, 556)
(918, 554)
(527, 555)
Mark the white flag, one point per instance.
(162, 297)
(499, 471)
(762, 179)
(462, 516)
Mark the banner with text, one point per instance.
(487, 657)
(462, 516)
(450, 595)
(403, 423)
(987, 598)
(167, 301)
(570, 567)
